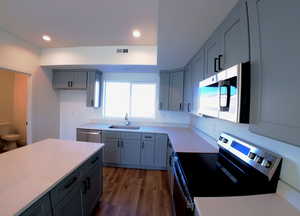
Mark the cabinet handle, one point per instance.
(92, 102)
(85, 186)
(88, 179)
(219, 62)
(160, 105)
(118, 145)
(68, 83)
(71, 183)
(143, 145)
(180, 106)
(188, 108)
(71, 83)
(215, 65)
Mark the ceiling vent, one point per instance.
(122, 50)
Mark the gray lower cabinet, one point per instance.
(41, 208)
(148, 153)
(76, 195)
(160, 158)
(274, 69)
(130, 152)
(112, 150)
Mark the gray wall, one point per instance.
(290, 173)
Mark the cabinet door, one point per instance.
(274, 70)
(164, 86)
(176, 91)
(93, 191)
(235, 37)
(41, 207)
(94, 89)
(79, 80)
(188, 89)
(111, 151)
(72, 204)
(130, 153)
(147, 153)
(212, 52)
(197, 67)
(62, 80)
(161, 144)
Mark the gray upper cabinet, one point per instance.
(69, 79)
(212, 49)
(235, 37)
(94, 89)
(275, 72)
(188, 89)
(176, 91)
(197, 68)
(164, 90)
(171, 90)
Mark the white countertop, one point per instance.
(258, 205)
(27, 173)
(182, 139)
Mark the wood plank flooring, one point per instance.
(133, 192)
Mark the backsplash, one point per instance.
(290, 172)
(73, 113)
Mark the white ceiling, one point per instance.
(184, 26)
(81, 22)
(178, 27)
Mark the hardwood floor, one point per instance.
(133, 192)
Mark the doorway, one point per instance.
(13, 109)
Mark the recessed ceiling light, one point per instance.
(46, 38)
(136, 33)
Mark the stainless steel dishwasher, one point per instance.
(89, 135)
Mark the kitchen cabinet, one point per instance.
(234, 37)
(130, 152)
(161, 145)
(198, 74)
(94, 89)
(274, 69)
(212, 50)
(164, 86)
(188, 89)
(147, 153)
(176, 91)
(69, 79)
(42, 208)
(112, 150)
(171, 90)
(170, 154)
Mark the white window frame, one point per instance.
(130, 96)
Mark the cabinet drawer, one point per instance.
(111, 135)
(41, 207)
(66, 185)
(128, 135)
(148, 136)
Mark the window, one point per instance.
(136, 99)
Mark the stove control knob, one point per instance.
(259, 159)
(252, 155)
(266, 163)
(220, 138)
(225, 140)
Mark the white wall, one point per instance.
(73, 110)
(18, 55)
(290, 172)
(105, 55)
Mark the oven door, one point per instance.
(182, 200)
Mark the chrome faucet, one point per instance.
(127, 123)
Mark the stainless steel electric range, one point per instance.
(240, 168)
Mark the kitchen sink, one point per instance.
(124, 127)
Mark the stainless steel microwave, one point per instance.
(226, 95)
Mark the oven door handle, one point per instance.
(183, 187)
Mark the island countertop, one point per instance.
(27, 173)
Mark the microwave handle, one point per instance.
(216, 64)
(224, 108)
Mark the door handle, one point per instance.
(215, 65)
(219, 62)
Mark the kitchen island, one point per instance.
(51, 177)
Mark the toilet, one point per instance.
(8, 137)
